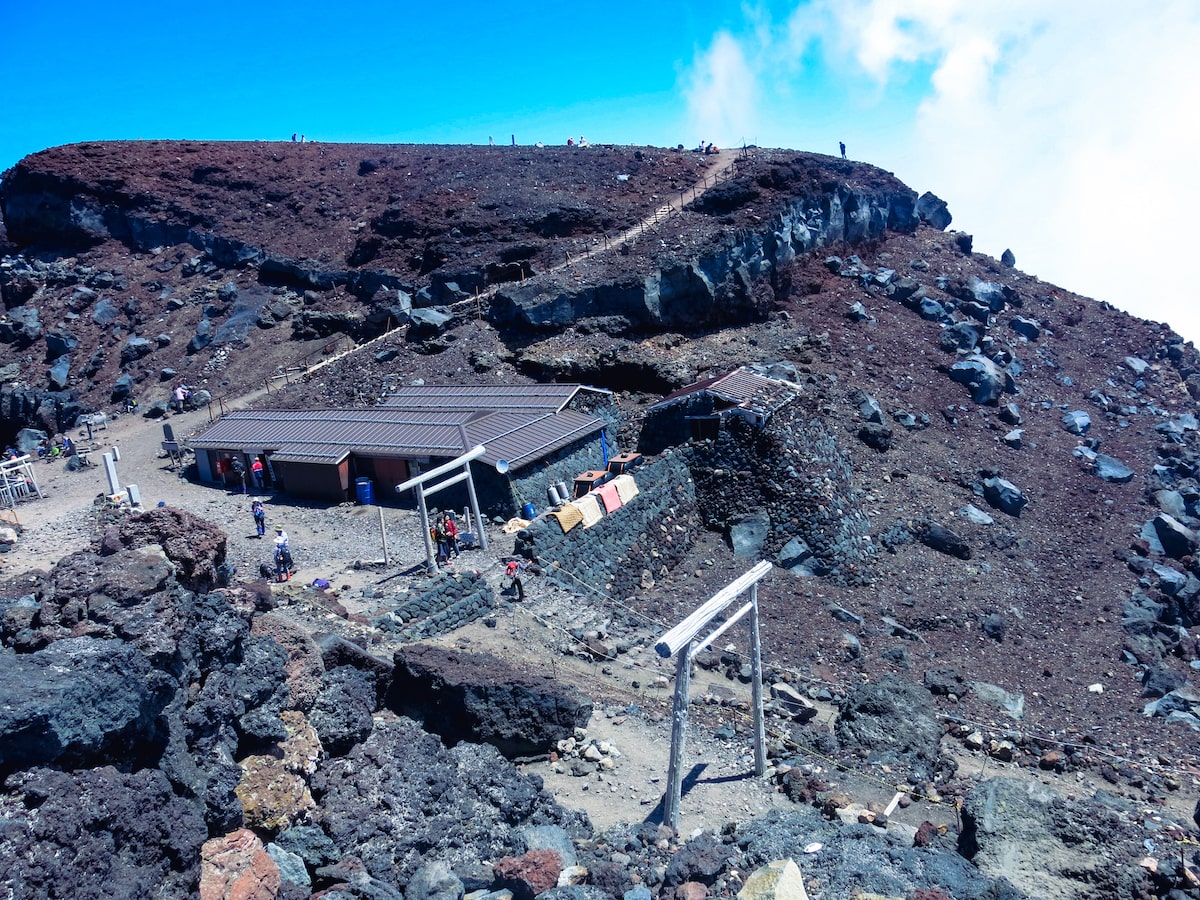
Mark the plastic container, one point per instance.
(528, 511)
(364, 491)
(552, 495)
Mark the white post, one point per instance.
(679, 723)
(383, 536)
(756, 687)
(419, 481)
(681, 640)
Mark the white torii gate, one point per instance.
(681, 640)
(419, 482)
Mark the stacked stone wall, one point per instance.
(795, 472)
(438, 607)
(635, 545)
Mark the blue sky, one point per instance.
(1064, 131)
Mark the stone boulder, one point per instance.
(1110, 469)
(237, 865)
(941, 538)
(983, 378)
(401, 798)
(477, 697)
(894, 721)
(98, 834)
(1077, 421)
(343, 708)
(1003, 495)
(748, 535)
(80, 702)
(933, 211)
(1045, 845)
(195, 546)
(1176, 538)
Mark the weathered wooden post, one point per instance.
(681, 640)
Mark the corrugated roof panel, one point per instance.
(521, 437)
(311, 453)
(526, 397)
(741, 387)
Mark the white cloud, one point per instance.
(1064, 131)
(722, 93)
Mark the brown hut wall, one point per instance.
(319, 481)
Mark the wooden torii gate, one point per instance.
(681, 640)
(419, 482)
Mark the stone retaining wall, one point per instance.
(629, 549)
(442, 604)
(793, 471)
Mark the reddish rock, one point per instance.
(691, 890)
(304, 666)
(237, 867)
(527, 876)
(195, 546)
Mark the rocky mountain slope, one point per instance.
(1023, 460)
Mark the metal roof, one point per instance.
(528, 397)
(330, 435)
(741, 388)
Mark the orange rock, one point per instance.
(237, 867)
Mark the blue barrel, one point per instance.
(528, 511)
(364, 491)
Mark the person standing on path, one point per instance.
(842, 147)
(451, 535)
(256, 472)
(260, 517)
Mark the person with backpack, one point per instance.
(440, 538)
(260, 517)
(451, 535)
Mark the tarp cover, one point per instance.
(568, 516)
(626, 487)
(589, 507)
(610, 497)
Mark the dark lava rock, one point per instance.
(933, 211)
(941, 538)
(1004, 496)
(1046, 846)
(477, 697)
(98, 834)
(983, 377)
(894, 721)
(195, 546)
(400, 798)
(342, 713)
(80, 702)
(862, 859)
(877, 437)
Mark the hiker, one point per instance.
(440, 539)
(570, 142)
(842, 147)
(283, 555)
(451, 535)
(181, 394)
(239, 469)
(513, 571)
(283, 564)
(260, 517)
(256, 472)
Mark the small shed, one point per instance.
(697, 411)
